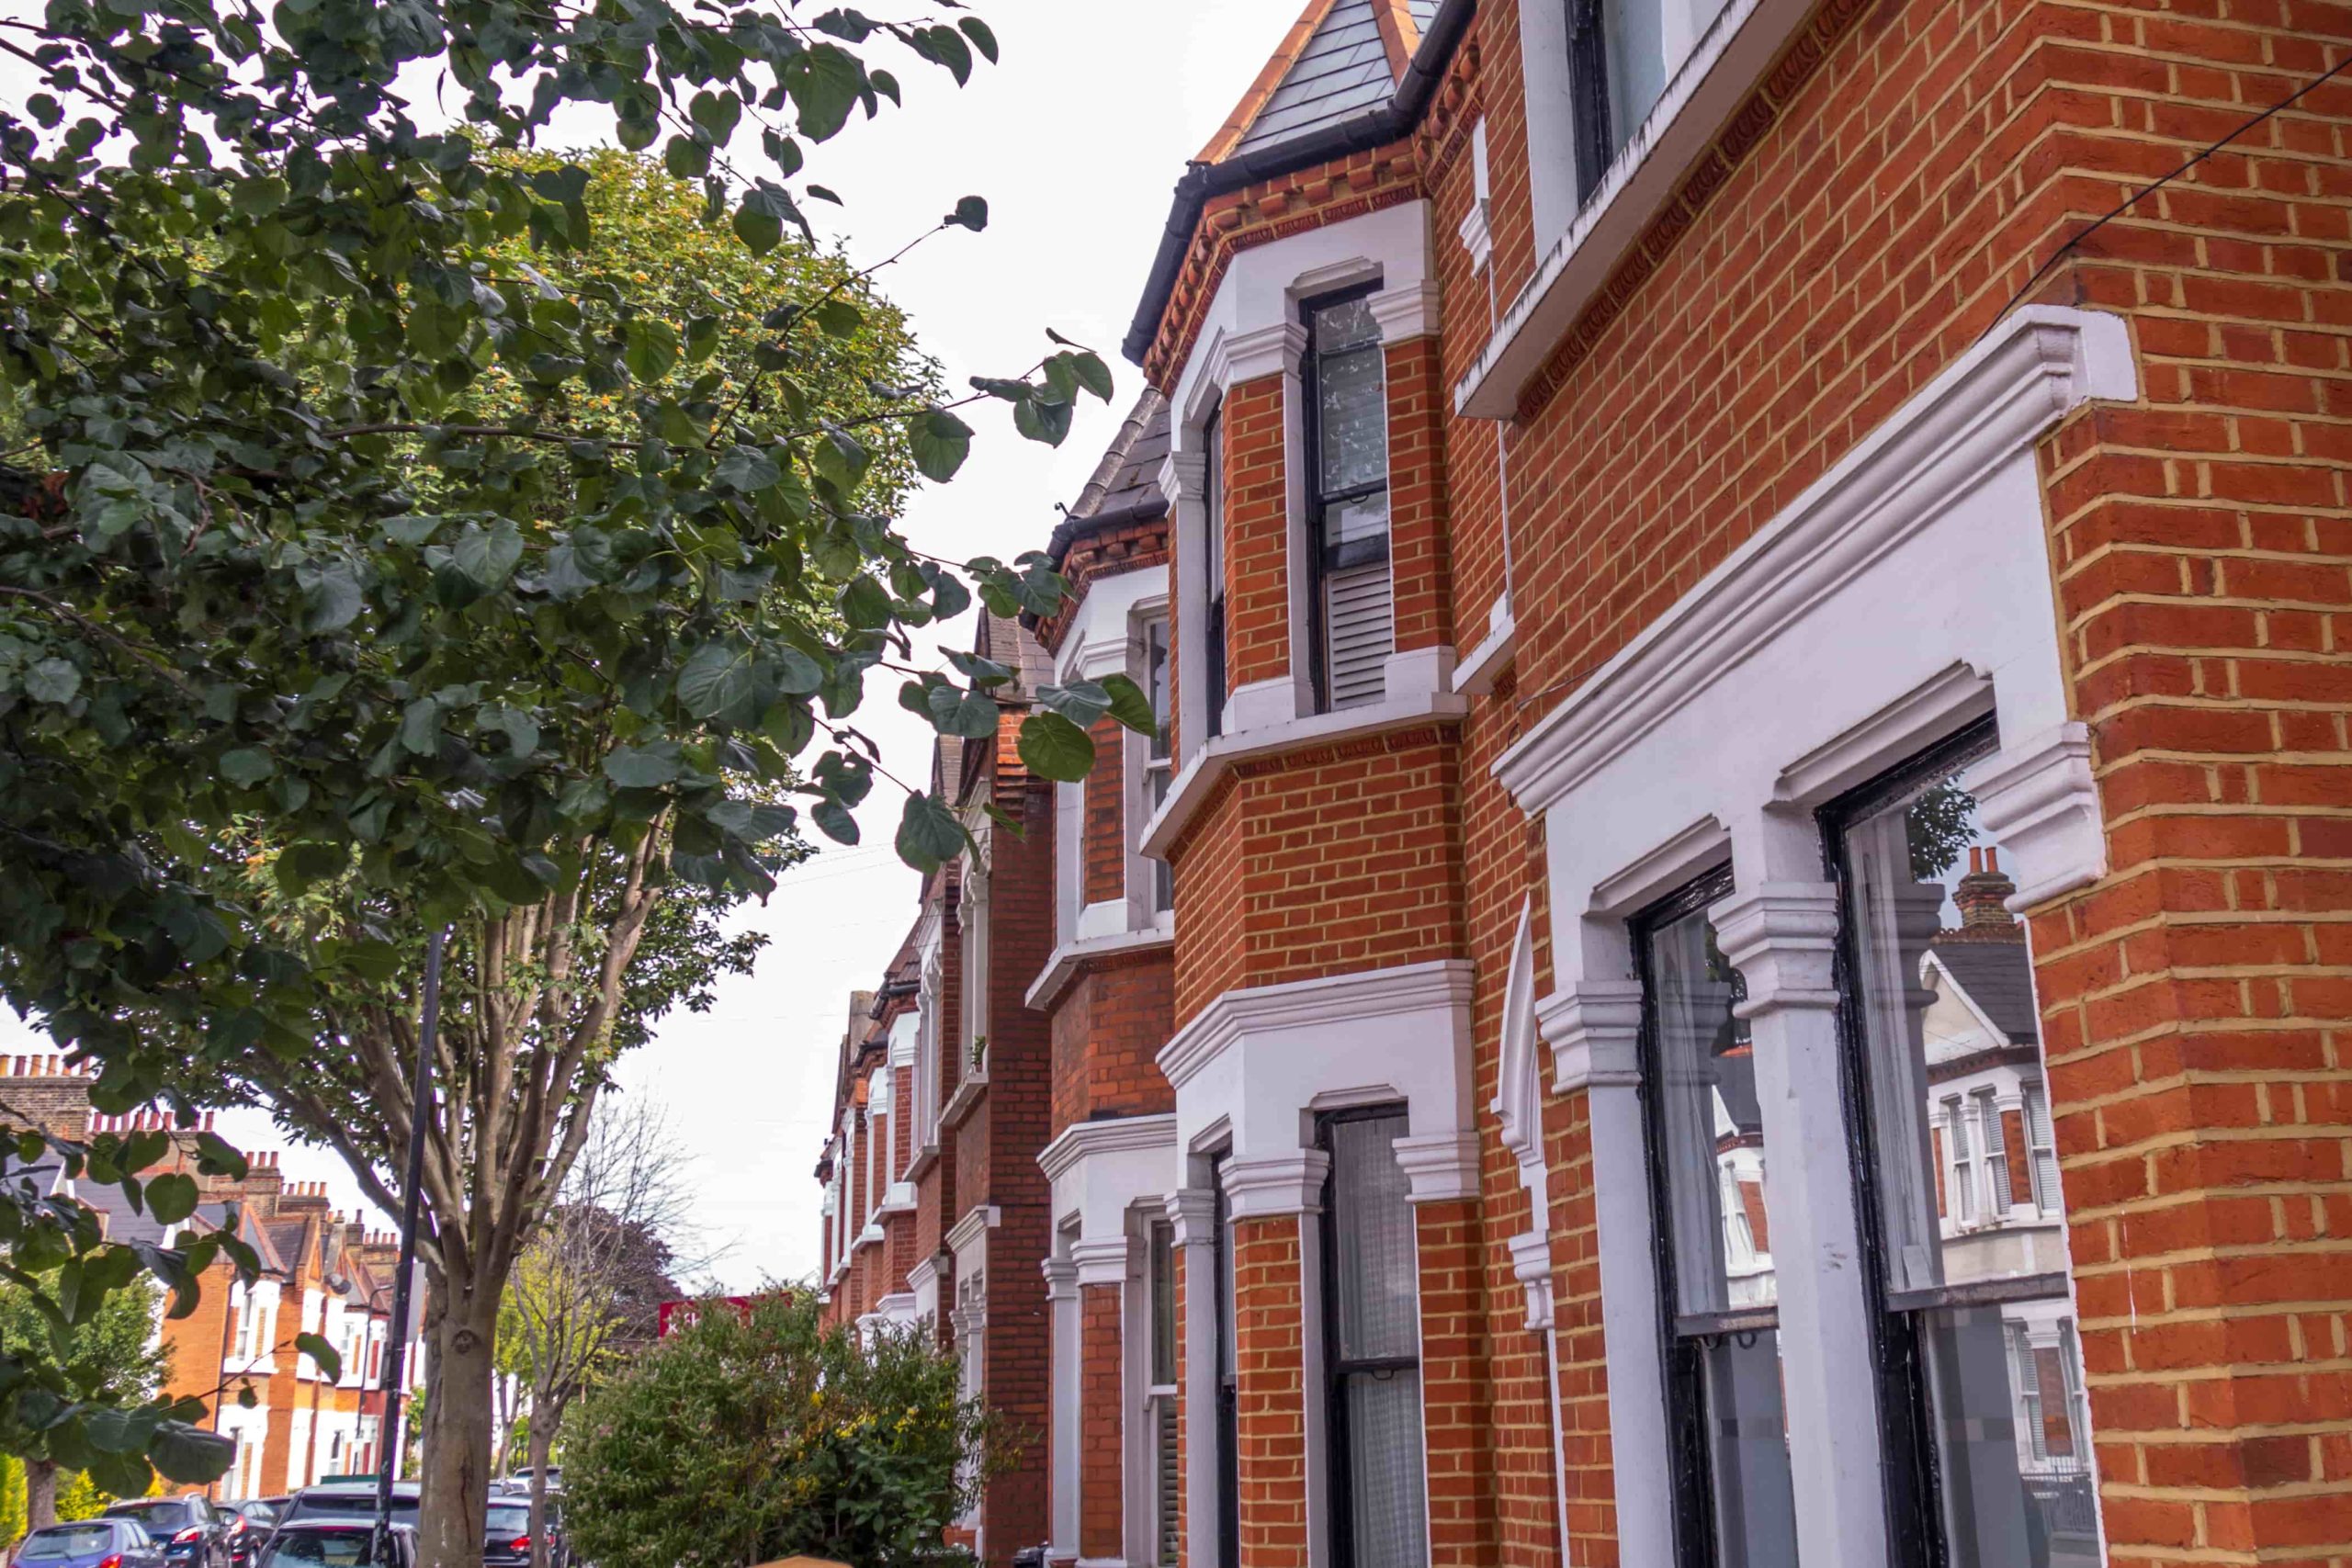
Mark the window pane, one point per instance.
(1163, 1303)
(1347, 323)
(1213, 500)
(1711, 1129)
(1755, 1507)
(1351, 420)
(1155, 667)
(1636, 63)
(2010, 1438)
(1372, 1229)
(1385, 1491)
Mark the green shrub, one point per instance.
(736, 1443)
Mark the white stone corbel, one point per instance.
(1276, 1184)
(1440, 1168)
(2038, 800)
(1594, 1029)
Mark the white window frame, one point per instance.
(1142, 771)
(2041, 1150)
(972, 932)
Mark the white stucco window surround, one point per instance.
(1904, 594)
(1252, 330)
(1721, 55)
(1099, 1171)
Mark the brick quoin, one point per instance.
(1257, 534)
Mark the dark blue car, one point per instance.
(193, 1534)
(91, 1543)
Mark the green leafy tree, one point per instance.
(114, 1358)
(740, 1440)
(375, 564)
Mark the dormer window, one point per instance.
(1347, 439)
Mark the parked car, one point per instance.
(506, 1540)
(349, 1500)
(91, 1543)
(338, 1543)
(520, 1481)
(250, 1523)
(194, 1534)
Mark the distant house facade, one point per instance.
(321, 1273)
(1734, 954)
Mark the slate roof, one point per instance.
(1997, 976)
(1340, 58)
(1124, 485)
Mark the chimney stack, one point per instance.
(1982, 899)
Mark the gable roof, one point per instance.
(1340, 58)
(1996, 978)
(1416, 38)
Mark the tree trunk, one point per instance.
(543, 1419)
(41, 1493)
(461, 1326)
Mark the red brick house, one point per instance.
(1758, 809)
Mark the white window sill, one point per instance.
(898, 1198)
(1198, 779)
(1071, 957)
(1725, 67)
(1477, 675)
(967, 1094)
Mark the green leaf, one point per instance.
(956, 711)
(1053, 748)
(190, 1455)
(939, 442)
(328, 1359)
(52, 681)
(760, 229)
(487, 558)
(834, 821)
(718, 680)
(840, 318)
(221, 1156)
(171, 1197)
(649, 348)
(246, 767)
(982, 39)
(1129, 706)
(824, 83)
(746, 469)
(1081, 701)
(1092, 374)
(929, 833)
(643, 767)
(971, 212)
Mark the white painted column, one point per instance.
(1062, 1306)
(1782, 935)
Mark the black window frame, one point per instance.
(1681, 1351)
(1914, 1489)
(1323, 558)
(1594, 143)
(1214, 556)
(1338, 1499)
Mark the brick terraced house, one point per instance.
(321, 1273)
(1739, 949)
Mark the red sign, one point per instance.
(677, 1317)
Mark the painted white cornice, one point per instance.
(2035, 366)
(1071, 957)
(1084, 1140)
(1406, 311)
(1444, 983)
(967, 1231)
(1265, 352)
(1103, 1260)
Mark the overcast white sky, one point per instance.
(1075, 140)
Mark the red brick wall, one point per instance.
(1108, 1027)
(1421, 577)
(1104, 829)
(1102, 1390)
(1340, 858)
(1455, 1359)
(1257, 524)
(1270, 1384)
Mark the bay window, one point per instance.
(1372, 1335)
(1213, 662)
(1973, 1327)
(1347, 442)
(1734, 1505)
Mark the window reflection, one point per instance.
(1973, 1239)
